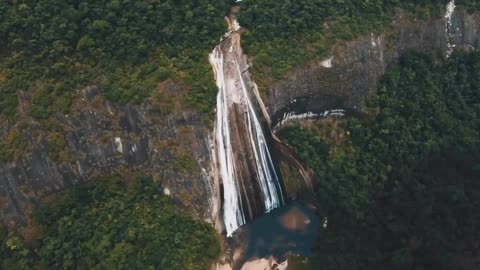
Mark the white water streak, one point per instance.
(118, 145)
(232, 209)
(265, 169)
(448, 27)
(291, 116)
(327, 63)
(229, 94)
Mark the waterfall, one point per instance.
(244, 164)
(449, 27)
(232, 209)
(265, 168)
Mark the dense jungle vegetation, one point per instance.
(285, 34)
(114, 224)
(54, 47)
(126, 47)
(407, 175)
(401, 188)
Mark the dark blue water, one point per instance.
(291, 229)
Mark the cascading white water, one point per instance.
(233, 90)
(265, 168)
(232, 209)
(448, 27)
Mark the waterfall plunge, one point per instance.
(450, 9)
(240, 142)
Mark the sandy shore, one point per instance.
(258, 264)
(265, 264)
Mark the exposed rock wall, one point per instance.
(351, 75)
(102, 138)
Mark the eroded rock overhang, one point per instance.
(350, 75)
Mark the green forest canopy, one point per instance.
(402, 192)
(114, 224)
(408, 176)
(127, 47)
(285, 34)
(124, 46)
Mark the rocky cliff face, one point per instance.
(351, 74)
(172, 143)
(158, 138)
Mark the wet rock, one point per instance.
(295, 219)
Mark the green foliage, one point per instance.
(299, 263)
(47, 31)
(54, 96)
(129, 47)
(185, 163)
(14, 254)
(310, 148)
(117, 225)
(407, 197)
(471, 5)
(8, 94)
(113, 43)
(13, 145)
(286, 34)
(133, 83)
(58, 147)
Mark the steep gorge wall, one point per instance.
(170, 144)
(350, 76)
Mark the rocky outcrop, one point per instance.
(157, 138)
(350, 76)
